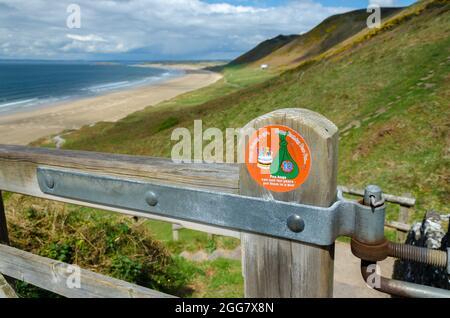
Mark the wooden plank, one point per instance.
(18, 174)
(282, 268)
(6, 291)
(7, 282)
(398, 226)
(195, 175)
(176, 232)
(406, 200)
(403, 217)
(54, 276)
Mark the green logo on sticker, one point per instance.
(284, 165)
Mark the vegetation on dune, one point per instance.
(118, 246)
(95, 240)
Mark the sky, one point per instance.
(156, 29)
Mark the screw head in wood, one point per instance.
(295, 223)
(150, 198)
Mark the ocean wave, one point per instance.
(108, 86)
(26, 103)
(125, 84)
(19, 102)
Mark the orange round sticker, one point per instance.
(278, 158)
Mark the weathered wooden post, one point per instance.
(6, 291)
(282, 268)
(175, 231)
(4, 238)
(403, 217)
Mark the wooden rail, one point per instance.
(402, 227)
(18, 174)
(53, 276)
(6, 291)
(18, 166)
(401, 200)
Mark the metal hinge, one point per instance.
(293, 221)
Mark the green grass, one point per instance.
(189, 240)
(219, 279)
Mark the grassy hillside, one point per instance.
(263, 49)
(330, 32)
(387, 91)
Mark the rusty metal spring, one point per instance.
(418, 254)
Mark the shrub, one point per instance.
(112, 245)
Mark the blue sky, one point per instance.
(157, 29)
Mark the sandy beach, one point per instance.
(25, 127)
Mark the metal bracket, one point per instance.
(293, 221)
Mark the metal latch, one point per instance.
(299, 222)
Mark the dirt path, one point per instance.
(348, 282)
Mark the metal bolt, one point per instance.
(49, 181)
(372, 193)
(150, 198)
(295, 223)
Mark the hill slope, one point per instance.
(296, 49)
(387, 90)
(263, 49)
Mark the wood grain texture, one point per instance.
(401, 227)
(6, 291)
(53, 276)
(403, 217)
(282, 268)
(18, 174)
(204, 176)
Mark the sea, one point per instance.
(30, 84)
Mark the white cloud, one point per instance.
(148, 29)
(86, 38)
(382, 3)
